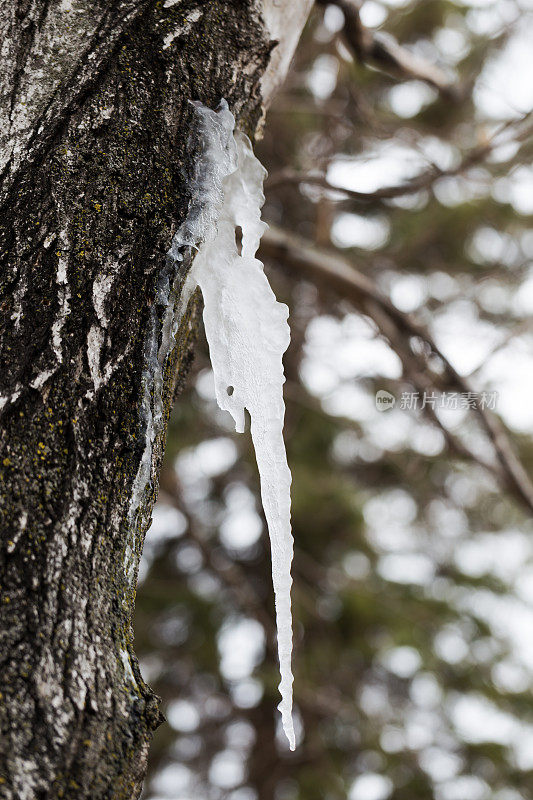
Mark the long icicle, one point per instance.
(247, 333)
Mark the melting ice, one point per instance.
(247, 333)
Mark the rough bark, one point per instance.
(96, 148)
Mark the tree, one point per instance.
(96, 150)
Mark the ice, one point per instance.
(247, 333)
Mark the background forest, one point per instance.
(400, 196)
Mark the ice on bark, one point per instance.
(247, 333)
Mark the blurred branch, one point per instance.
(424, 180)
(402, 331)
(382, 51)
(226, 570)
(423, 381)
(526, 326)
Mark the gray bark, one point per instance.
(96, 149)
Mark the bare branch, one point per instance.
(421, 182)
(526, 326)
(338, 275)
(382, 51)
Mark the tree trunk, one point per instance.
(96, 147)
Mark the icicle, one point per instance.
(247, 332)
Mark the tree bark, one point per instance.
(97, 142)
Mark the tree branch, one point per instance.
(382, 51)
(338, 275)
(421, 182)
